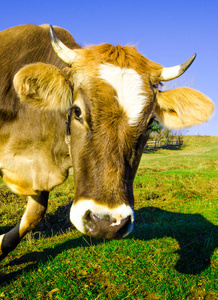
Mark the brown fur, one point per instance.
(34, 157)
(22, 45)
(122, 56)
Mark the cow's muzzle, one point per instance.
(100, 221)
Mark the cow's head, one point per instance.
(111, 94)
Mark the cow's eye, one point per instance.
(157, 86)
(77, 112)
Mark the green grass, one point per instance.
(171, 254)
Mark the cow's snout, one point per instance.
(102, 222)
(105, 227)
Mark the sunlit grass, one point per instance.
(171, 254)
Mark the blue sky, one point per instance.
(167, 32)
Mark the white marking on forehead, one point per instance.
(129, 87)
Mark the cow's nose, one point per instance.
(101, 221)
(105, 227)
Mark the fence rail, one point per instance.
(162, 144)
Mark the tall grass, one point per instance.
(171, 254)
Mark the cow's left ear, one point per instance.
(43, 85)
(183, 107)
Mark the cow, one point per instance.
(108, 96)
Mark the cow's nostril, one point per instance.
(105, 226)
(90, 225)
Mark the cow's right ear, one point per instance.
(43, 85)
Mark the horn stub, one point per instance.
(66, 54)
(176, 71)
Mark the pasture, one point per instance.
(171, 254)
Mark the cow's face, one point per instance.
(108, 129)
(111, 95)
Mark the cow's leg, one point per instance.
(35, 211)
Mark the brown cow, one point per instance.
(111, 95)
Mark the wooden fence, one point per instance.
(151, 145)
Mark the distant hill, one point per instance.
(194, 141)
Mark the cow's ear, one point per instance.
(183, 107)
(44, 86)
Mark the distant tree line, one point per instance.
(159, 133)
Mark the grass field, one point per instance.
(171, 254)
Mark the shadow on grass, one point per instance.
(168, 147)
(196, 236)
(35, 258)
(53, 224)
